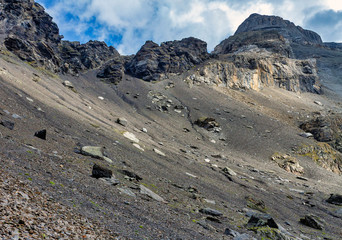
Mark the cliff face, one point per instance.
(255, 69)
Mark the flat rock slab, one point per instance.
(95, 152)
(127, 191)
(131, 137)
(210, 211)
(144, 190)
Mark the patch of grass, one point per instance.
(30, 179)
(52, 183)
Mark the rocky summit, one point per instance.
(172, 142)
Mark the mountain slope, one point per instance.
(215, 156)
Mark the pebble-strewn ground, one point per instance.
(26, 213)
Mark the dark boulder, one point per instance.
(41, 134)
(207, 123)
(311, 221)
(335, 199)
(320, 129)
(101, 172)
(261, 220)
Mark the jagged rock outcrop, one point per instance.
(29, 32)
(256, 68)
(154, 62)
(78, 57)
(270, 32)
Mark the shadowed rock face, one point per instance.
(152, 61)
(29, 32)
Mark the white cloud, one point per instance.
(139, 20)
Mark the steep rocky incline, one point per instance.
(152, 61)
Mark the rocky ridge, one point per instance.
(31, 34)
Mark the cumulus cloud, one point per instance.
(127, 24)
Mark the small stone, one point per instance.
(101, 172)
(144, 130)
(16, 116)
(131, 174)
(318, 103)
(306, 135)
(191, 175)
(210, 201)
(111, 181)
(229, 171)
(41, 134)
(138, 147)
(101, 98)
(122, 121)
(7, 124)
(29, 99)
(311, 221)
(68, 84)
(210, 211)
(159, 152)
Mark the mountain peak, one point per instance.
(287, 29)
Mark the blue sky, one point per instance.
(127, 24)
